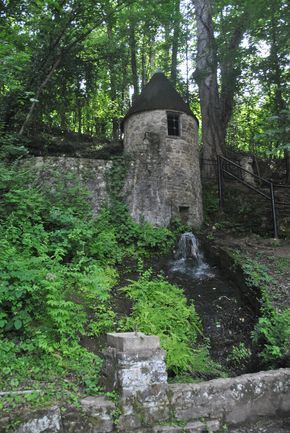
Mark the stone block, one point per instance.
(99, 411)
(48, 421)
(195, 427)
(235, 400)
(133, 341)
(95, 416)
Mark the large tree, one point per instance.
(213, 60)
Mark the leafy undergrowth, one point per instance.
(265, 264)
(58, 266)
(272, 331)
(160, 308)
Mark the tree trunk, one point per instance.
(175, 42)
(143, 62)
(230, 70)
(165, 66)
(151, 53)
(279, 102)
(133, 49)
(216, 107)
(113, 86)
(38, 94)
(206, 77)
(187, 59)
(79, 116)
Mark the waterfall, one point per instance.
(189, 258)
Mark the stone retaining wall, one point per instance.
(163, 178)
(134, 367)
(90, 172)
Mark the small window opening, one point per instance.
(184, 214)
(173, 124)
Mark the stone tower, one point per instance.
(161, 140)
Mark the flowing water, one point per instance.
(227, 317)
(189, 258)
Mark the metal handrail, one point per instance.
(271, 197)
(243, 169)
(247, 184)
(279, 185)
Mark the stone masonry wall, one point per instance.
(164, 177)
(163, 174)
(90, 172)
(134, 367)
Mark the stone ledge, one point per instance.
(133, 342)
(235, 400)
(127, 358)
(194, 427)
(48, 420)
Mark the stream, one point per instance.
(226, 316)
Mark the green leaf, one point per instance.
(18, 324)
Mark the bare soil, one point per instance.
(273, 253)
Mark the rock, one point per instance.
(48, 421)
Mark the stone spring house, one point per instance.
(161, 142)
(161, 138)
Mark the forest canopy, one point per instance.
(75, 66)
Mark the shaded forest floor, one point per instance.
(273, 255)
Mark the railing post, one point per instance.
(220, 182)
(275, 228)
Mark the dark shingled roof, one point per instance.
(158, 94)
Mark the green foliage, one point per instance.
(239, 355)
(58, 266)
(59, 376)
(282, 264)
(257, 274)
(11, 146)
(141, 238)
(210, 204)
(272, 332)
(160, 308)
(56, 276)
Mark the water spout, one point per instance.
(189, 258)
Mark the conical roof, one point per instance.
(158, 94)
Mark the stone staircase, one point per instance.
(254, 212)
(250, 199)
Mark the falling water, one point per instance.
(189, 258)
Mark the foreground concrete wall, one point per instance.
(164, 177)
(134, 367)
(236, 400)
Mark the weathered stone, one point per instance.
(147, 401)
(164, 178)
(195, 427)
(90, 172)
(133, 341)
(99, 411)
(134, 363)
(96, 416)
(247, 164)
(48, 421)
(234, 400)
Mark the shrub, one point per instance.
(160, 308)
(272, 334)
